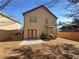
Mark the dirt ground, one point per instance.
(6, 47)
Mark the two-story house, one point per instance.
(37, 21)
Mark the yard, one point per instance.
(7, 47)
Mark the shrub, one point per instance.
(43, 36)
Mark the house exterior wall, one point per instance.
(7, 27)
(8, 24)
(41, 15)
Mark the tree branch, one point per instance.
(5, 4)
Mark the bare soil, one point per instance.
(6, 48)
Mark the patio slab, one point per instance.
(31, 42)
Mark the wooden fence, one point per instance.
(6, 34)
(9, 35)
(69, 35)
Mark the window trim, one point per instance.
(46, 21)
(33, 19)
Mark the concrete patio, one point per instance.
(31, 42)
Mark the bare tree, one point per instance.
(74, 12)
(72, 6)
(50, 3)
(4, 4)
(74, 9)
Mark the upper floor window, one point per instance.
(54, 22)
(33, 19)
(46, 21)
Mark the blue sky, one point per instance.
(16, 7)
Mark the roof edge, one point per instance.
(9, 18)
(39, 7)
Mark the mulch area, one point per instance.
(64, 51)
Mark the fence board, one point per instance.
(69, 35)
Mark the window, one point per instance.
(46, 21)
(33, 19)
(54, 22)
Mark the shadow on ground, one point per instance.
(64, 51)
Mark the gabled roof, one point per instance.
(40, 7)
(7, 23)
(9, 17)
